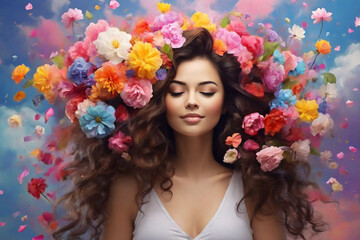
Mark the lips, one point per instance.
(192, 115)
(192, 118)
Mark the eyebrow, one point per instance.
(184, 84)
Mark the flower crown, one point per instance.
(109, 62)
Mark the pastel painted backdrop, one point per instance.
(31, 33)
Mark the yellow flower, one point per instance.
(163, 7)
(19, 73)
(308, 110)
(144, 59)
(202, 20)
(14, 121)
(20, 95)
(323, 46)
(186, 24)
(336, 187)
(46, 79)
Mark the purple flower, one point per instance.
(273, 76)
(130, 73)
(172, 34)
(161, 74)
(78, 71)
(165, 19)
(272, 36)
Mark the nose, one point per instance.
(191, 102)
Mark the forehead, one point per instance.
(197, 70)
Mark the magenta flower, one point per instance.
(71, 16)
(165, 19)
(231, 39)
(321, 15)
(250, 145)
(137, 93)
(252, 123)
(172, 34)
(273, 75)
(120, 142)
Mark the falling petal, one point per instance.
(304, 24)
(97, 7)
(38, 99)
(343, 171)
(24, 218)
(349, 103)
(22, 228)
(340, 155)
(1, 192)
(51, 195)
(15, 214)
(357, 21)
(29, 6)
(37, 116)
(40, 237)
(337, 48)
(350, 30)
(2, 224)
(23, 174)
(88, 15)
(48, 114)
(305, 4)
(28, 138)
(33, 33)
(355, 89)
(14, 57)
(353, 149)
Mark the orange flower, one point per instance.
(323, 46)
(19, 73)
(234, 140)
(219, 47)
(274, 121)
(111, 77)
(46, 79)
(20, 95)
(141, 27)
(297, 88)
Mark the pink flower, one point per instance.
(93, 30)
(269, 158)
(120, 142)
(114, 4)
(290, 114)
(254, 44)
(172, 34)
(231, 39)
(137, 93)
(250, 145)
(340, 155)
(28, 7)
(353, 149)
(357, 21)
(321, 15)
(237, 26)
(291, 61)
(79, 49)
(71, 16)
(165, 19)
(252, 123)
(234, 140)
(273, 75)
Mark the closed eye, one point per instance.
(175, 94)
(208, 93)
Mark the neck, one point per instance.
(194, 158)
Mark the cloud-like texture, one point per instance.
(257, 8)
(57, 5)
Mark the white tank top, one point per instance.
(157, 224)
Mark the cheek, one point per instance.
(215, 108)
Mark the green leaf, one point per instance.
(58, 60)
(329, 78)
(28, 83)
(225, 21)
(269, 49)
(288, 84)
(88, 15)
(314, 151)
(167, 50)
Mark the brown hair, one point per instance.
(95, 166)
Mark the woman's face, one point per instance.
(194, 101)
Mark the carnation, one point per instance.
(321, 124)
(36, 187)
(231, 155)
(301, 148)
(137, 93)
(172, 34)
(269, 158)
(252, 123)
(120, 142)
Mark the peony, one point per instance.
(321, 14)
(252, 123)
(165, 19)
(172, 34)
(328, 92)
(308, 110)
(71, 16)
(234, 140)
(113, 45)
(269, 158)
(19, 73)
(145, 60)
(296, 32)
(237, 26)
(250, 145)
(71, 106)
(36, 187)
(120, 142)
(14, 121)
(321, 124)
(79, 49)
(301, 148)
(137, 93)
(231, 155)
(231, 39)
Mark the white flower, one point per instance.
(14, 121)
(321, 124)
(325, 156)
(328, 92)
(39, 131)
(113, 44)
(331, 180)
(82, 108)
(301, 148)
(231, 155)
(297, 32)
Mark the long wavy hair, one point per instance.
(94, 166)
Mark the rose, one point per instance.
(36, 187)
(252, 123)
(269, 158)
(321, 124)
(120, 142)
(301, 148)
(137, 94)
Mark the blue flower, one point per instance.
(284, 99)
(90, 80)
(98, 120)
(78, 71)
(278, 57)
(300, 69)
(161, 74)
(322, 107)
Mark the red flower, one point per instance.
(121, 114)
(37, 186)
(254, 88)
(274, 121)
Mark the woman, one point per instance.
(176, 184)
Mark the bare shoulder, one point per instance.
(121, 209)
